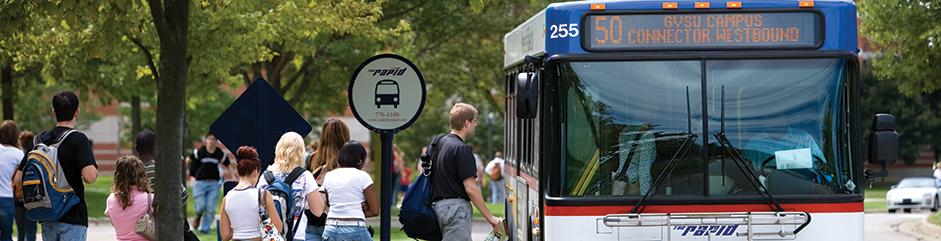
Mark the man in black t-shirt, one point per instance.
(453, 177)
(204, 168)
(78, 162)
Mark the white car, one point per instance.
(913, 192)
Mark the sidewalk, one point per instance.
(921, 230)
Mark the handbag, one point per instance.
(145, 224)
(268, 231)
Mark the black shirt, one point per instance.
(75, 153)
(453, 162)
(205, 165)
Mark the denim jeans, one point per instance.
(314, 233)
(7, 211)
(206, 197)
(496, 191)
(25, 228)
(56, 231)
(345, 233)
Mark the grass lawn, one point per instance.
(496, 209)
(876, 197)
(96, 196)
(878, 190)
(935, 218)
(875, 206)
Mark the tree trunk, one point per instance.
(135, 115)
(171, 19)
(8, 92)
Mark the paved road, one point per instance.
(885, 226)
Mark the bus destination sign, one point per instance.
(609, 32)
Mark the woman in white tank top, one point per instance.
(240, 219)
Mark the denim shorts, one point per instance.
(54, 231)
(345, 233)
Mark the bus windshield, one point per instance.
(387, 88)
(624, 121)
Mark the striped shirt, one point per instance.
(150, 169)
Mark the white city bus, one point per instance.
(688, 120)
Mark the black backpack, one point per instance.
(418, 218)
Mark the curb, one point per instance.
(920, 230)
(929, 230)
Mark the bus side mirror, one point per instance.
(527, 94)
(884, 140)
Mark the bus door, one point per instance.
(520, 209)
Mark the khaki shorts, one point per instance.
(454, 219)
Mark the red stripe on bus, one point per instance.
(853, 207)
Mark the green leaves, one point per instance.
(908, 33)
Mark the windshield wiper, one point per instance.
(671, 164)
(742, 163)
(681, 152)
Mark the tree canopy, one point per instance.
(904, 79)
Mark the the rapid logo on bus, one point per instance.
(707, 230)
(703, 30)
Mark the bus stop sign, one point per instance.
(387, 93)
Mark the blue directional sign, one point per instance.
(258, 118)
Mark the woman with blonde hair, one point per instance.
(130, 198)
(333, 135)
(288, 158)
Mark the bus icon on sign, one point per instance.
(387, 93)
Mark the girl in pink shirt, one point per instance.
(130, 198)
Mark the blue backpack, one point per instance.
(47, 195)
(287, 202)
(418, 218)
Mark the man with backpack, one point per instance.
(453, 180)
(494, 169)
(74, 156)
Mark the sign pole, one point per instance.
(387, 185)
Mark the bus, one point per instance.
(688, 120)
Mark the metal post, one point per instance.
(386, 188)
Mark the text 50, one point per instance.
(563, 30)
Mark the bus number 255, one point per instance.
(563, 30)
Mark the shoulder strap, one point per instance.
(36, 138)
(150, 202)
(433, 151)
(262, 204)
(269, 177)
(294, 175)
(62, 137)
